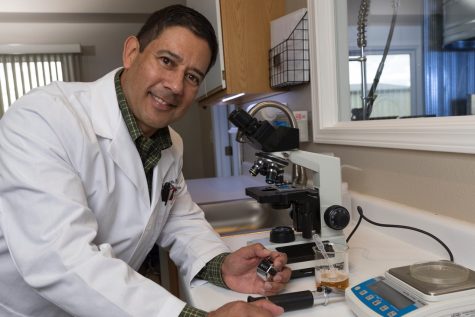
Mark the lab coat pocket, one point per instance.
(169, 192)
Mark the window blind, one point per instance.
(19, 73)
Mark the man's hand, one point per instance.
(260, 308)
(239, 270)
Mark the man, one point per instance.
(90, 180)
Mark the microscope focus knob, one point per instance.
(282, 234)
(337, 217)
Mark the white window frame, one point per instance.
(446, 134)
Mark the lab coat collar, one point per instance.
(109, 124)
(106, 117)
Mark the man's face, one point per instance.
(161, 82)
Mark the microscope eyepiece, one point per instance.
(244, 121)
(262, 135)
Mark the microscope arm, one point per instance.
(327, 179)
(327, 176)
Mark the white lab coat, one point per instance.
(75, 214)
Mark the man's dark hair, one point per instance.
(179, 15)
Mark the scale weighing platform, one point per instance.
(435, 289)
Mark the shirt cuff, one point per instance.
(189, 311)
(212, 271)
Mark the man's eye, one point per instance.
(195, 80)
(165, 60)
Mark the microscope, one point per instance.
(314, 210)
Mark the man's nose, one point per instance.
(175, 81)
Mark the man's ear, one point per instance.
(130, 52)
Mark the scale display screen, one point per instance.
(395, 298)
(383, 299)
(405, 292)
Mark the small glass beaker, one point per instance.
(332, 270)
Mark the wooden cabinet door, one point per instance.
(214, 80)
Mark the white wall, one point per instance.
(101, 42)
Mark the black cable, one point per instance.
(354, 229)
(360, 212)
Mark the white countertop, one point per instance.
(373, 250)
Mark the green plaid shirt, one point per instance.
(150, 152)
(149, 148)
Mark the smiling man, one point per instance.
(161, 80)
(90, 181)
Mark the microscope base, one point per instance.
(300, 253)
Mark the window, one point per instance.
(21, 71)
(445, 80)
(395, 94)
(328, 20)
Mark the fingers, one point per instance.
(269, 306)
(279, 260)
(260, 251)
(282, 276)
(277, 283)
(244, 262)
(260, 308)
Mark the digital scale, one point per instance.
(435, 289)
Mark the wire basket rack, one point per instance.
(289, 61)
